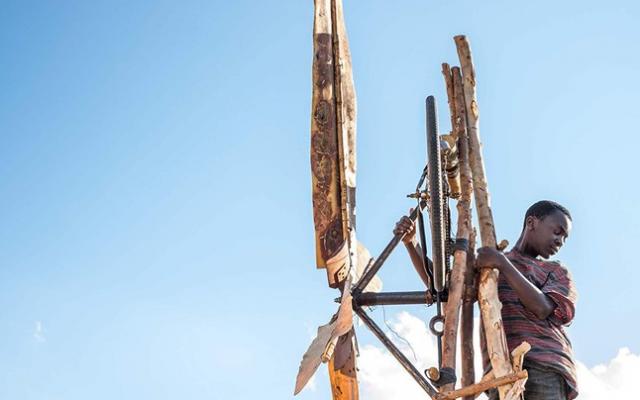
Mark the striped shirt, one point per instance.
(550, 346)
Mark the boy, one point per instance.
(538, 298)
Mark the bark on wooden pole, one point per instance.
(490, 305)
(448, 80)
(453, 167)
(467, 352)
(458, 273)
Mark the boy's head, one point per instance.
(546, 227)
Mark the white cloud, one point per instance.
(614, 380)
(383, 378)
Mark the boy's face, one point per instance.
(549, 233)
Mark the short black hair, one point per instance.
(544, 208)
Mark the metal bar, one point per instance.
(392, 298)
(439, 337)
(423, 248)
(370, 272)
(422, 381)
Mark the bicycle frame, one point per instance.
(436, 292)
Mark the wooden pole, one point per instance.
(467, 352)
(490, 305)
(453, 164)
(458, 273)
(448, 81)
(482, 386)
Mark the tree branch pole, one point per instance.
(467, 352)
(458, 273)
(469, 296)
(448, 81)
(490, 305)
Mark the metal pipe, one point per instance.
(392, 298)
(422, 381)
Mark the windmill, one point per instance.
(349, 265)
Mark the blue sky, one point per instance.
(157, 237)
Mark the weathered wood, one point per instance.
(342, 373)
(458, 273)
(490, 305)
(343, 378)
(467, 352)
(448, 81)
(345, 121)
(517, 355)
(333, 186)
(329, 233)
(466, 324)
(483, 385)
(452, 165)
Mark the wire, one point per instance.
(396, 334)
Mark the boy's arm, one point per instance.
(533, 298)
(407, 226)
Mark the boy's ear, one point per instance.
(531, 222)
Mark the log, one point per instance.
(458, 273)
(490, 305)
(453, 164)
(482, 386)
(448, 81)
(467, 352)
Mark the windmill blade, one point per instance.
(364, 260)
(334, 341)
(312, 357)
(333, 166)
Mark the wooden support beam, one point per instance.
(448, 81)
(467, 352)
(458, 272)
(490, 305)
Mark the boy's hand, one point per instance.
(406, 226)
(490, 258)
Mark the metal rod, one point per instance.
(439, 337)
(423, 248)
(370, 272)
(422, 381)
(392, 298)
